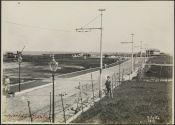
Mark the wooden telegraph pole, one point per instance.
(85, 29)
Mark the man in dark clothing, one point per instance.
(108, 86)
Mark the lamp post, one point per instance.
(19, 54)
(53, 67)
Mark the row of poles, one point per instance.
(87, 29)
(115, 83)
(54, 67)
(54, 64)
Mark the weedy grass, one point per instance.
(133, 103)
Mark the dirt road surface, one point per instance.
(16, 108)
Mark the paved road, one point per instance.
(39, 98)
(35, 83)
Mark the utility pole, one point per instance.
(144, 55)
(147, 51)
(101, 55)
(140, 52)
(132, 43)
(83, 29)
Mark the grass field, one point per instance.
(160, 71)
(134, 102)
(40, 63)
(37, 66)
(162, 59)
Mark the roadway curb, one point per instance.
(28, 90)
(38, 87)
(23, 83)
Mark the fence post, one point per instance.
(119, 72)
(160, 73)
(86, 90)
(81, 97)
(155, 77)
(64, 115)
(30, 114)
(115, 79)
(122, 74)
(167, 73)
(112, 86)
(92, 87)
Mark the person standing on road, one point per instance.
(108, 86)
(7, 84)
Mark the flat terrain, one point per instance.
(137, 101)
(37, 66)
(35, 69)
(40, 98)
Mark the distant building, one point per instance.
(112, 56)
(10, 55)
(153, 52)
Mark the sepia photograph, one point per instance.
(87, 62)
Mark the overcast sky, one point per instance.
(50, 26)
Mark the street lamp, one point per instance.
(53, 67)
(19, 54)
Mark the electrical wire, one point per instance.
(91, 21)
(25, 25)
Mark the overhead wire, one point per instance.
(91, 21)
(44, 28)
